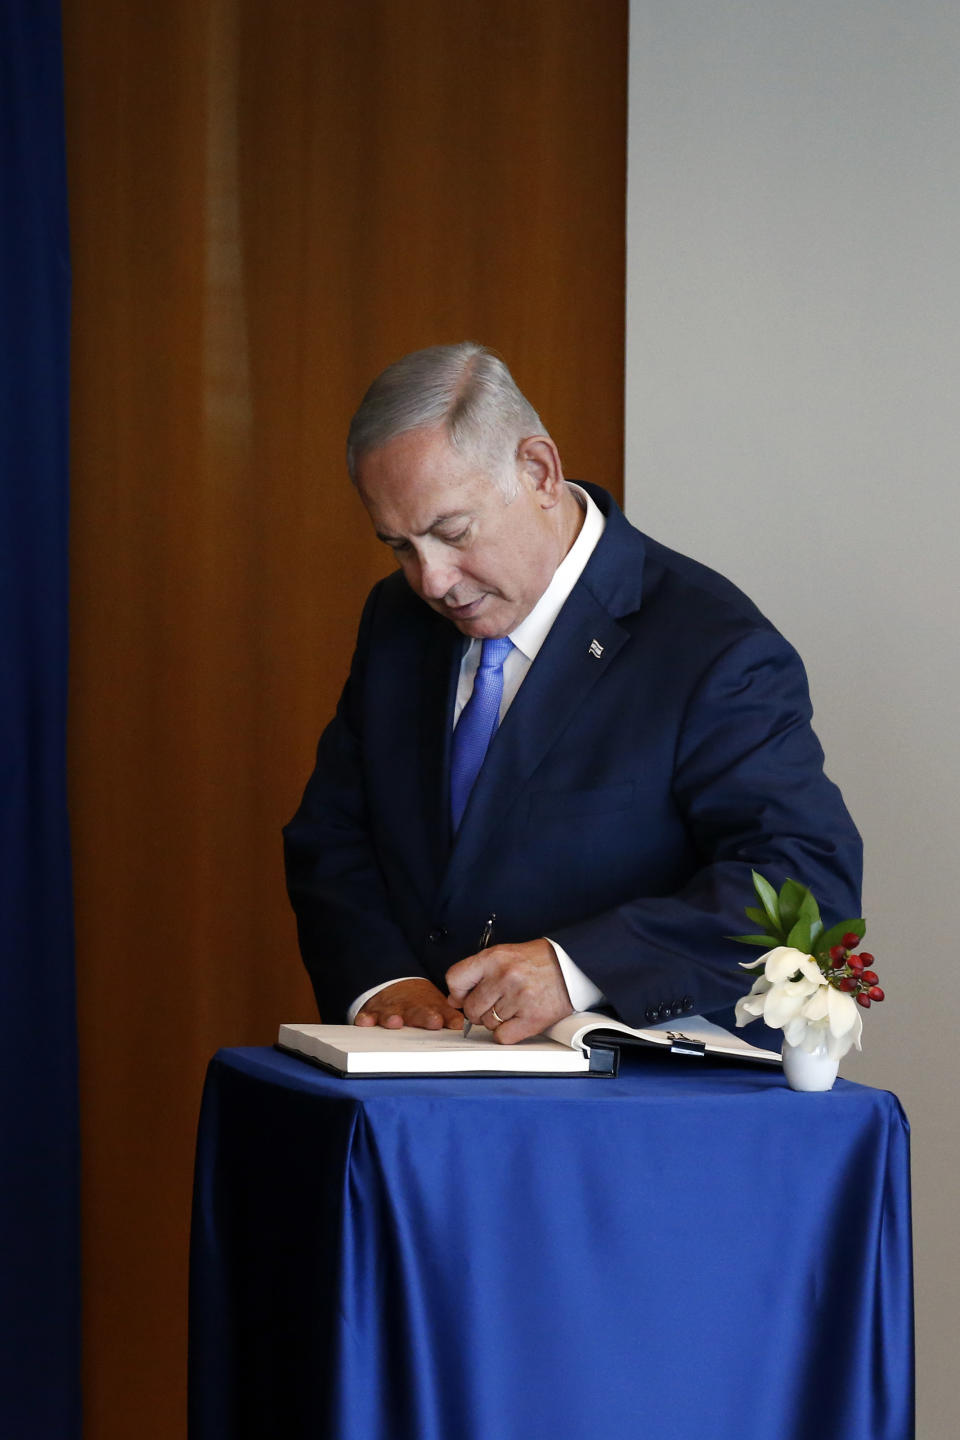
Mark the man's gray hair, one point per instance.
(466, 388)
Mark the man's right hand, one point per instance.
(410, 1002)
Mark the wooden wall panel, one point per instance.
(269, 203)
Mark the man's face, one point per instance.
(474, 556)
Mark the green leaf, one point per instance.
(835, 934)
(802, 931)
(754, 913)
(816, 929)
(769, 942)
(792, 895)
(799, 936)
(809, 909)
(768, 899)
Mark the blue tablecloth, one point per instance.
(691, 1250)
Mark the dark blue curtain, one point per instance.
(39, 1253)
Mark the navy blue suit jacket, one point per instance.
(620, 808)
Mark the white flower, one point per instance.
(794, 995)
(784, 962)
(832, 1018)
(749, 1006)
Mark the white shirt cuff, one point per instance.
(581, 989)
(361, 1000)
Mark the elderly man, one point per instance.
(561, 748)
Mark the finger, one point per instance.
(466, 974)
(497, 1014)
(513, 1030)
(489, 990)
(448, 1018)
(487, 997)
(434, 1017)
(418, 1017)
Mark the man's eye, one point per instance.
(455, 539)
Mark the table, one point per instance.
(689, 1250)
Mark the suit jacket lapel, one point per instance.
(558, 682)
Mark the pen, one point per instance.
(486, 935)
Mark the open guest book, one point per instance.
(585, 1043)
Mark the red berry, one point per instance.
(869, 977)
(837, 954)
(864, 1000)
(875, 992)
(838, 963)
(866, 957)
(855, 962)
(848, 983)
(850, 939)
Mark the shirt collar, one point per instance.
(530, 634)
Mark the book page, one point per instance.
(574, 1030)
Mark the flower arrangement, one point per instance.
(814, 985)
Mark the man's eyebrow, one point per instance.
(434, 524)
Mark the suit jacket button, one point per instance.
(665, 1012)
(651, 1014)
(687, 1002)
(437, 935)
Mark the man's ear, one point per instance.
(539, 460)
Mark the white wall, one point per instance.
(793, 418)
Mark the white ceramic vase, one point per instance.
(808, 1071)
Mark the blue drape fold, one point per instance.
(39, 1232)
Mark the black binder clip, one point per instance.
(604, 1060)
(681, 1045)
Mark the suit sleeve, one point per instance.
(348, 938)
(748, 780)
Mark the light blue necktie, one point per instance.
(476, 725)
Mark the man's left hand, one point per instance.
(522, 983)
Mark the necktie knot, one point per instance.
(494, 652)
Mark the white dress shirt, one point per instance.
(527, 639)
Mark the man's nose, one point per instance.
(437, 577)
